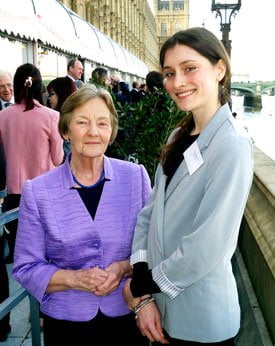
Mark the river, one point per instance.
(260, 125)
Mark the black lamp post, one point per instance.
(225, 9)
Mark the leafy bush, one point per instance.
(143, 129)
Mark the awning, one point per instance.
(52, 24)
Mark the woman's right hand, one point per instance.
(80, 279)
(89, 279)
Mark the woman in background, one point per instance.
(59, 89)
(29, 137)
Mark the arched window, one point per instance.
(163, 5)
(178, 5)
(163, 29)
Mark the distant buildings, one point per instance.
(132, 23)
(171, 16)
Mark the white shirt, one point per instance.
(3, 103)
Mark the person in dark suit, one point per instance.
(75, 71)
(6, 89)
(135, 94)
(154, 82)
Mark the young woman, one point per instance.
(187, 233)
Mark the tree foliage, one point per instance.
(143, 129)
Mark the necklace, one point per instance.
(102, 176)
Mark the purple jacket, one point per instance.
(56, 231)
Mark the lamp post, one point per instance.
(225, 10)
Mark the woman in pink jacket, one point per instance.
(30, 138)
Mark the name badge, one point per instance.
(193, 158)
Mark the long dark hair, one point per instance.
(28, 85)
(63, 87)
(208, 45)
(99, 75)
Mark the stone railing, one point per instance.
(257, 236)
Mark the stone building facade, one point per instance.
(171, 16)
(131, 23)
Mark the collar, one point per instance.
(222, 115)
(3, 102)
(68, 177)
(74, 80)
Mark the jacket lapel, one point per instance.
(203, 141)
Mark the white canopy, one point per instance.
(51, 23)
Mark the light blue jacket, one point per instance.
(188, 234)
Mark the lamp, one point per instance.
(225, 10)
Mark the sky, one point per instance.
(252, 35)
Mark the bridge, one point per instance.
(257, 88)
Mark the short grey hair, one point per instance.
(81, 96)
(4, 73)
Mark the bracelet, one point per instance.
(143, 303)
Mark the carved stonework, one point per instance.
(130, 23)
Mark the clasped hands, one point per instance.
(99, 281)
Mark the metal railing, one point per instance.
(7, 305)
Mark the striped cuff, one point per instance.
(138, 256)
(165, 285)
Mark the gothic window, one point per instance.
(163, 29)
(178, 5)
(163, 5)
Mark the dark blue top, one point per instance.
(91, 196)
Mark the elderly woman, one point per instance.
(76, 227)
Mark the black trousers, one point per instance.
(11, 201)
(101, 330)
(4, 286)
(177, 342)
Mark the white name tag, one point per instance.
(193, 158)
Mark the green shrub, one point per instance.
(143, 129)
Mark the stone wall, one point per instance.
(257, 236)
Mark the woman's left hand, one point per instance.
(116, 271)
(149, 323)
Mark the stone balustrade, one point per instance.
(257, 236)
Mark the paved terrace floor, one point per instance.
(253, 330)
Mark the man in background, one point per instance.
(6, 89)
(75, 71)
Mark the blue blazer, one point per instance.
(188, 234)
